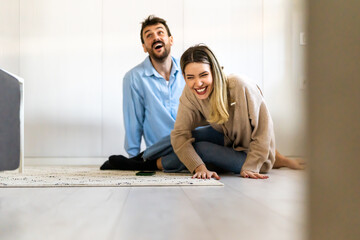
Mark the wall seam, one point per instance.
(262, 47)
(19, 55)
(102, 78)
(183, 13)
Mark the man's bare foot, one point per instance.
(159, 164)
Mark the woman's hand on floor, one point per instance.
(202, 172)
(250, 174)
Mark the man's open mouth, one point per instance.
(158, 45)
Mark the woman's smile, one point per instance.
(199, 79)
(201, 91)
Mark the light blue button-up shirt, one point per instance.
(150, 104)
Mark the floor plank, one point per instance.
(234, 211)
(160, 213)
(60, 213)
(242, 208)
(284, 192)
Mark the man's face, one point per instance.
(157, 42)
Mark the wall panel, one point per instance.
(283, 73)
(60, 61)
(232, 29)
(9, 35)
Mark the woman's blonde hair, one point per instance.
(219, 96)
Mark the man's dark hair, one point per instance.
(153, 20)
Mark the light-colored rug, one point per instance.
(75, 176)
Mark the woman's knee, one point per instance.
(208, 134)
(202, 148)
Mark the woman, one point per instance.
(232, 106)
(240, 137)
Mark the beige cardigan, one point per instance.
(249, 128)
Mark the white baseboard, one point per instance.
(71, 161)
(67, 161)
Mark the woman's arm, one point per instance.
(188, 118)
(261, 152)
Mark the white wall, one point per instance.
(9, 35)
(232, 29)
(61, 62)
(284, 72)
(73, 55)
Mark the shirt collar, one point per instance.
(151, 71)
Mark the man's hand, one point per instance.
(250, 174)
(202, 172)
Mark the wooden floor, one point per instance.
(242, 209)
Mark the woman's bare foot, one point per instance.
(282, 161)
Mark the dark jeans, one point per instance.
(209, 145)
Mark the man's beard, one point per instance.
(160, 58)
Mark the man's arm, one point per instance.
(134, 112)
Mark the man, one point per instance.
(151, 90)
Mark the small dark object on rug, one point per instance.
(145, 173)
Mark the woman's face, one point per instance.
(199, 79)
